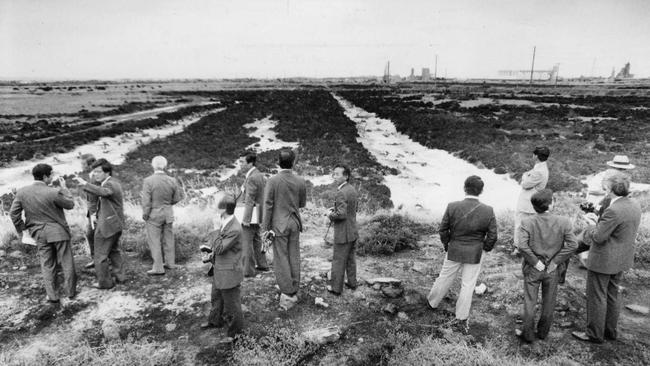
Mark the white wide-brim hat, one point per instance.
(621, 162)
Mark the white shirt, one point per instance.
(342, 184)
(226, 221)
(248, 174)
(105, 180)
(616, 198)
(472, 197)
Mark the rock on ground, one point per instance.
(323, 335)
(639, 309)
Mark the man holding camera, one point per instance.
(226, 253)
(45, 220)
(611, 253)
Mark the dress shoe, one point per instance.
(97, 286)
(171, 266)
(262, 269)
(329, 289)
(350, 286)
(208, 325)
(151, 272)
(53, 301)
(585, 338)
(89, 265)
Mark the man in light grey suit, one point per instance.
(44, 219)
(252, 198)
(110, 221)
(284, 195)
(611, 254)
(159, 193)
(344, 218)
(532, 181)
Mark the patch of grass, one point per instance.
(387, 234)
(277, 347)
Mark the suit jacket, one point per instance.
(253, 195)
(531, 182)
(467, 228)
(284, 195)
(159, 193)
(344, 216)
(546, 237)
(612, 239)
(110, 213)
(44, 216)
(226, 255)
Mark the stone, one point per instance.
(392, 292)
(22, 268)
(480, 289)
(566, 324)
(170, 327)
(390, 309)
(111, 330)
(420, 267)
(414, 298)
(358, 295)
(16, 254)
(639, 309)
(323, 335)
(376, 286)
(384, 281)
(319, 301)
(402, 315)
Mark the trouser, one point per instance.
(90, 237)
(603, 305)
(519, 215)
(469, 274)
(226, 309)
(107, 249)
(50, 254)
(532, 281)
(343, 263)
(161, 244)
(252, 250)
(286, 258)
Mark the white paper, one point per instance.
(239, 214)
(27, 239)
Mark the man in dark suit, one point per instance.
(87, 160)
(110, 221)
(344, 218)
(159, 193)
(45, 221)
(545, 241)
(226, 260)
(468, 228)
(611, 254)
(253, 202)
(284, 195)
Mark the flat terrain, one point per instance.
(410, 145)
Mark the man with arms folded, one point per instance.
(611, 253)
(344, 217)
(545, 241)
(159, 193)
(45, 221)
(284, 195)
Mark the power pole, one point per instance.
(532, 67)
(435, 69)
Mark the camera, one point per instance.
(587, 207)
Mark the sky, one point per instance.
(83, 39)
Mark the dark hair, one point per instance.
(346, 171)
(104, 164)
(286, 158)
(89, 159)
(40, 171)
(250, 157)
(474, 185)
(227, 202)
(542, 153)
(619, 184)
(542, 200)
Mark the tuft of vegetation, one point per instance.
(278, 347)
(387, 234)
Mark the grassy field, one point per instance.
(154, 321)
